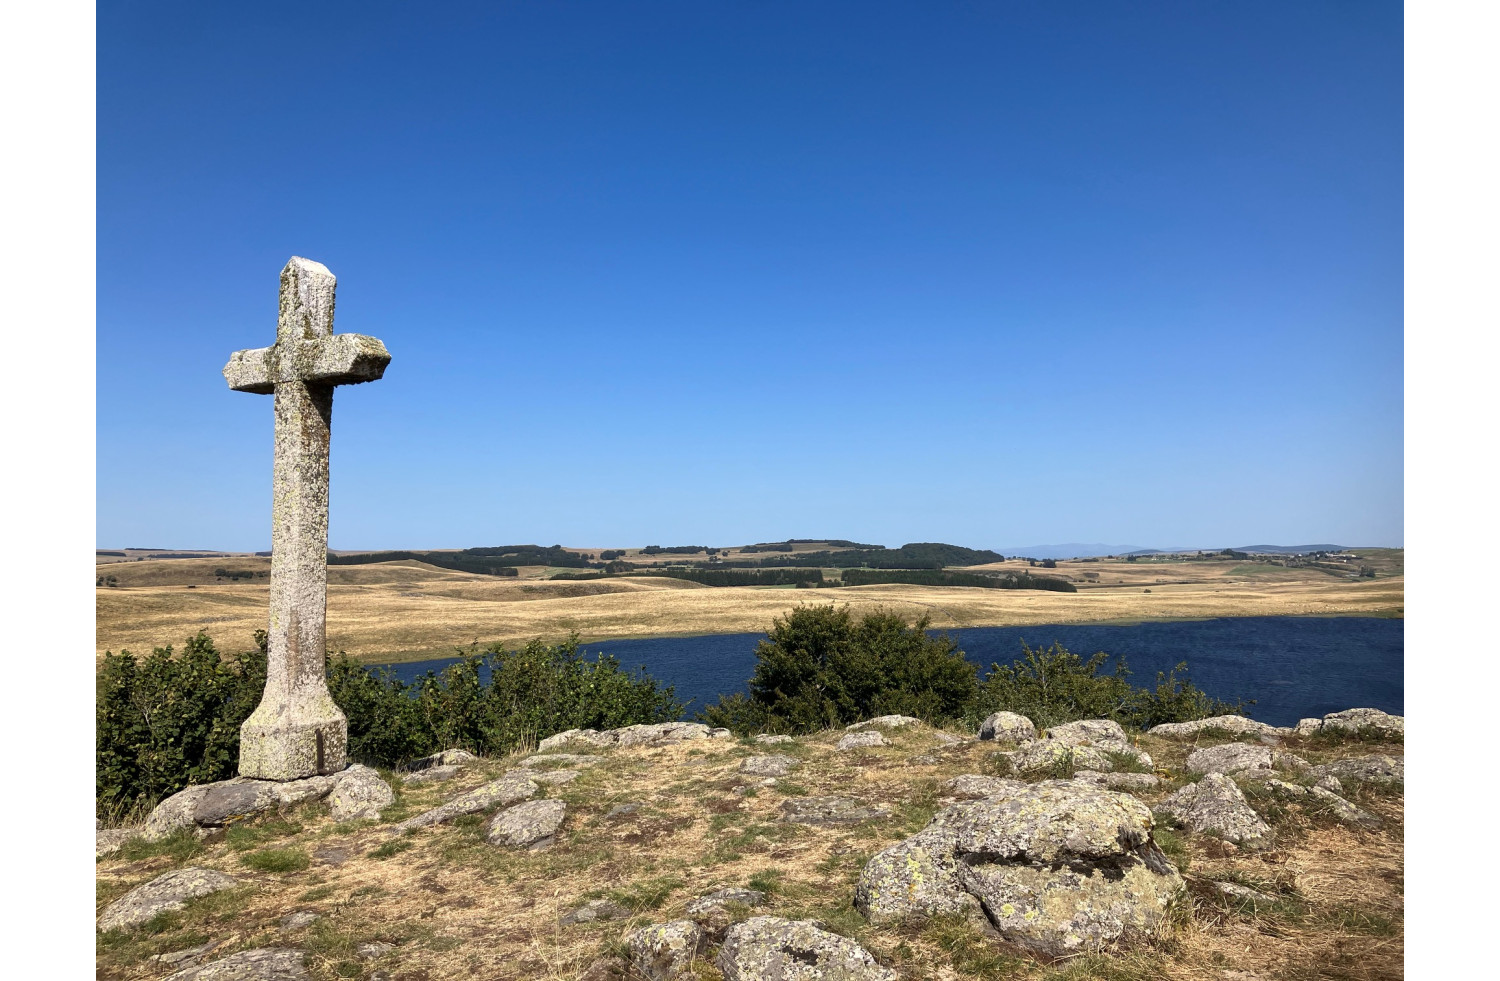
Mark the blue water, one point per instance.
(1293, 667)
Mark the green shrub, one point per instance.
(820, 668)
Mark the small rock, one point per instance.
(165, 892)
(926, 759)
(1343, 810)
(188, 957)
(596, 909)
(828, 811)
(1231, 758)
(1331, 783)
(1216, 805)
(1235, 892)
(861, 740)
(1007, 727)
(374, 951)
(1100, 733)
(945, 739)
(1290, 762)
(665, 951)
(299, 919)
(358, 793)
(769, 948)
(724, 897)
(531, 825)
(1306, 727)
(432, 774)
(448, 757)
(263, 964)
(770, 739)
(1355, 720)
(769, 766)
(621, 810)
(885, 722)
(513, 787)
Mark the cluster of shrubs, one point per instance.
(173, 717)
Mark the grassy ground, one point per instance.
(456, 907)
(410, 610)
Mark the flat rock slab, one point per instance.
(769, 766)
(1354, 720)
(721, 898)
(972, 786)
(1231, 758)
(1341, 809)
(432, 774)
(448, 757)
(771, 739)
(1007, 727)
(265, 964)
(861, 740)
(555, 778)
(512, 788)
(530, 825)
(1118, 781)
(769, 948)
(1375, 767)
(1234, 724)
(299, 920)
(1215, 805)
(885, 722)
(666, 951)
(659, 734)
(166, 892)
(1100, 733)
(829, 811)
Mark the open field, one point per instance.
(409, 610)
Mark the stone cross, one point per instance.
(297, 730)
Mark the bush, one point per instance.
(820, 668)
(169, 720)
(1053, 685)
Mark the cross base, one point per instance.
(300, 741)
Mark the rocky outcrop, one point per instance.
(770, 739)
(433, 774)
(972, 786)
(1336, 806)
(570, 760)
(1118, 781)
(1089, 744)
(861, 740)
(512, 788)
(666, 951)
(1007, 727)
(769, 766)
(828, 811)
(885, 722)
(532, 825)
(264, 964)
(769, 948)
(659, 734)
(107, 841)
(1057, 867)
(1353, 722)
(1099, 733)
(1215, 805)
(1231, 758)
(448, 757)
(1234, 724)
(214, 805)
(165, 892)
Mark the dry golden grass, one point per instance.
(457, 907)
(409, 610)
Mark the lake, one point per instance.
(1293, 667)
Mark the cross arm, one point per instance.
(343, 359)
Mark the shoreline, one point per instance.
(434, 654)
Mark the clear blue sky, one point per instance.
(990, 274)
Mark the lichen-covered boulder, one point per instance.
(165, 892)
(885, 722)
(1236, 724)
(1358, 719)
(432, 774)
(1215, 805)
(554, 778)
(107, 841)
(715, 911)
(972, 786)
(1118, 781)
(1007, 727)
(512, 788)
(358, 792)
(174, 813)
(861, 740)
(263, 964)
(665, 951)
(771, 739)
(448, 757)
(828, 811)
(1057, 867)
(1374, 767)
(1101, 733)
(570, 760)
(1231, 758)
(532, 825)
(769, 948)
(769, 766)
(657, 734)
